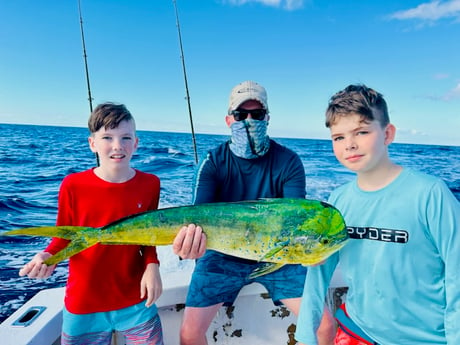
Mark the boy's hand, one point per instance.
(35, 268)
(190, 242)
(151, 284)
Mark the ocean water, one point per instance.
(35, 159)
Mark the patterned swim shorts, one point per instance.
(139, 325)
(218, 278)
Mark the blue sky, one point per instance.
(301, 51)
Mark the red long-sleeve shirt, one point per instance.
(104, 277)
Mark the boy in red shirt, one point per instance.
(111, 287)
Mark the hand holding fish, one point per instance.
(36, 268)
(190, 242)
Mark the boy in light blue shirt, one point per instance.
(402, 262)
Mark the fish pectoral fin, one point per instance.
(268, 267)
(74, 247)
(279, 246)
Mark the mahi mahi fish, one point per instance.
(277, 231)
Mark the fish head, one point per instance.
(318, 236)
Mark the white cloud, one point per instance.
(431, 11)
(413, 132)
(448, 96)
(453, 94)
(410, 135)
(285, 4)
(440, 76)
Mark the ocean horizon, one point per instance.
(300, 137)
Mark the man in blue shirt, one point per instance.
(248, 167)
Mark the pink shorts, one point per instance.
(342, 338)
(349, 333)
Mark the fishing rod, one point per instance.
(186, 83)
(90, 98)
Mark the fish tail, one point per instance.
(74, 247)
(78, 236)
(66, 232)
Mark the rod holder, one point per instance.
(29, 316)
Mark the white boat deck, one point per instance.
(254, 319)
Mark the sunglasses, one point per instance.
(242, 114)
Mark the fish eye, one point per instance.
(324, 241)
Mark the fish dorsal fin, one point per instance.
(267, 267)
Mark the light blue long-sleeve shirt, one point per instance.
(402, 264)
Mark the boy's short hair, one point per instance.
(358, 99)
(108, 115)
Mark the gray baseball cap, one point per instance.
(245, 91)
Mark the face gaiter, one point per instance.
(249, 138)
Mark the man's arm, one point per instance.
(204, 186)
(295, 185)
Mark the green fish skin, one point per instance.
(278, 231)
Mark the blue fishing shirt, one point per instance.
(402, 263)
(224, 177)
